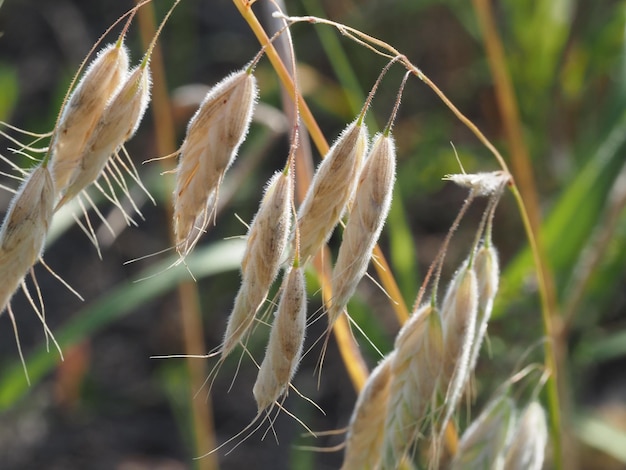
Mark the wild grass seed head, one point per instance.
(214, 135)
(332, 187)
(365, 222)
(364, 438)
(286, 340)
(83, 109)
(484, 442)
(528, 444)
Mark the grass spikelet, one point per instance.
(284, 347)
(118, 123)
(366, 220)
(483, 444)
(84, 108)
(415, 370)
(459, 311)
(487, 268)
(214, 135)
(332, 187)
(266, 242)
(367, 424)
(529, 440)
(23, 231)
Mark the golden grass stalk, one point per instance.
(484, 442)
(365, 222)
(83, 109)
(332, 187)
(528, 444)
(214, 135)
(284, 347)
(415, 370)
(365, 435)
(265, 247)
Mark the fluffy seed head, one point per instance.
(483, 444)
(483, 184)
(487, 268)
(366, 220)
(214, 135)
(332, 187)
(265, 246)
(23, 230)
(116, 125)
(365, 434)
(285, 343)
(83, 109)
(528, 444)
(415, 371)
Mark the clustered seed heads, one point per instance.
(332, 187)
(214, 135)
(24, 230)
(265, 247)
(286, 340)
(83, 109)
(118, 122)
(365, 222)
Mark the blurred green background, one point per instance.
(108, 405)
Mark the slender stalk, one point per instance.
(201, 412)
(523, 173)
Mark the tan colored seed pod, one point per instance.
(482, 184)
(483, 444)
(83, 109)
(214, 135)
(285, 343)
(528, 445)
(366, 220)
(23, 231)
(265, 247)
(415, 371)
(487, 268)
(365, 435)
(332, 187)
(459, 311)
(118, 123)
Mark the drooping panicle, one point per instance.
(332, 187)
(528, 444)
(214, 135)
(367, 217)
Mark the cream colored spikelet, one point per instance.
(265, 246)
(483, 444)
(214, 135)
(487, 268)
(415, 370)
(528, 445)
(23, 231)
(365, 434)
(332, 187)
(459, 311)
(83, 109)
(286, 340)
(118, 123)
(367, 217)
